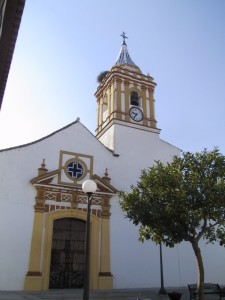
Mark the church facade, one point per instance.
(44, 210)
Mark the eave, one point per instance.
(9, 31)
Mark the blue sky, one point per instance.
(63, 45)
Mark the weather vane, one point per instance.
(124, 37)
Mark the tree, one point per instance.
(181, 201)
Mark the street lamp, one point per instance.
(88, 187)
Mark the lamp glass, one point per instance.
(89, 186)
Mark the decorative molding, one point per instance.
(56, 196)
(85, 162)
(29, 273)
(105, 274)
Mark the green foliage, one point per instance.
(180, 201)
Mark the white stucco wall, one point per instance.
(18, 167)
(133, 264)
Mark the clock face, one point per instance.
(136, 114)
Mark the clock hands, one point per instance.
(136, 114)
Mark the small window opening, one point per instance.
(134, 98)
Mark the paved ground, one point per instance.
(129, 294)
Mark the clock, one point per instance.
(136, 114)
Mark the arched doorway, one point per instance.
(67, 254)
(53, 204)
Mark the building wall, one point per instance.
(133, 264)
(18, 167)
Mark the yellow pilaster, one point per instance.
(127, 100)
(144, 105)
(101, 112)
(98, 114)
(112, 100)
(33, 279)
(105, 276)
(152, 109)
(118, 91)
(109, 101)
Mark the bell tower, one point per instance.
(125, 97)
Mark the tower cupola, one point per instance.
(124, 57)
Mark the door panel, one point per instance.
(67, 255)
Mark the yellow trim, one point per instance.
(119, 105)
(34, 277)
(105, 282)
(152, 109)
(35, 280)
(144, 105)
(127, 100)
(118, 96)
(100, 110)
(85, 160)
(105, 276)
(48, 243)
(112, 100)
(98, 114)
(81, 162)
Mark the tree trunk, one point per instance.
(200, 269)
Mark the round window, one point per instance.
(75, 170)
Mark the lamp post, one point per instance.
(162, 289)
(88, 187)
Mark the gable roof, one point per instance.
(54, 133)
(47, 180)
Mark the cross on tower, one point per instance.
(124, 37)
